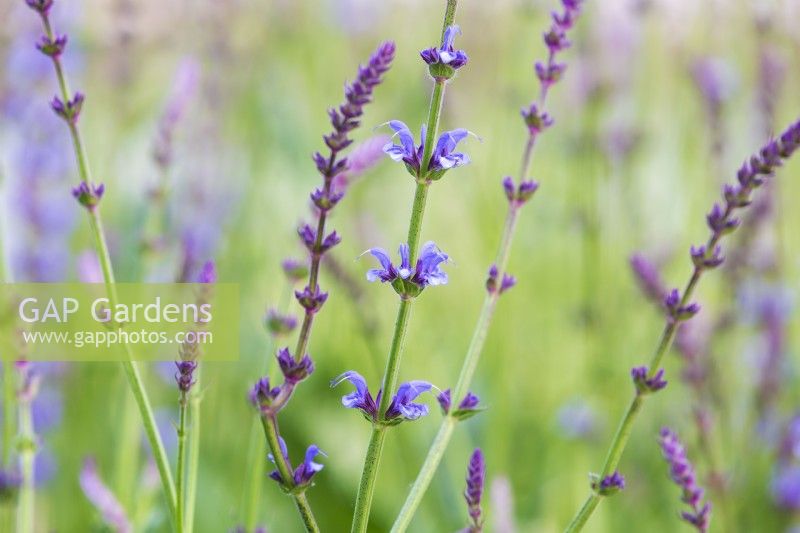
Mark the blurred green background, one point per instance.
(630, 165)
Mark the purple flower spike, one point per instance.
(88, 195)
(683, 474)
(445, 60)
(185, 374)
(466, 408)
(444, 400)
(470, 401)
(408, 281)
(361, 398)
(70, 110)
(208, 273)
(443, 157)
(52, 47)
(403, 406)
(537, 120)
(294, 371)
(645, 384)
(102, 498)
(309, 237)
(476, 475)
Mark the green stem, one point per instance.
(180, 475)
(432, 128)
(623, 433)
(194, 452)
(366, 488)
(270, 426)
(130, 367)
(440, 443)
(27, 452)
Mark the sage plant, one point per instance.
(721, 221)
(296, 366)
(518, 193)
(68, 106)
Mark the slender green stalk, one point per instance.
(442, 439)
(180, 475)
(27, 453)
(623, 433)
(366, 487)
(270, 426)
(8, 411)
(194, 451)
(130, 367)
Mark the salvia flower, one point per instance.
(279, 324)
(301, 478)
(493, 285)
(704, 258)
(185, 374)
(295, 271)
(70, 110)
(294, 371)
(537, 120)
(402, 407)
(683, 474)
(610, 484)
(676, 310)
(519, 194)
(408, 281)
(311, 300)
(40, 6)
(443, 157)
(88, 195)
(102, 498)
(262, 394)
(52, 47)
(476, 476)
(309, 237)
(644, 382)
(466, 408)
(445, 60)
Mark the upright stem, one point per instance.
(27, 452)
(129, 366)
(180, 475)
(366, 488)
(440, 443)
(270, 426)
(193, 458)
(623, 433)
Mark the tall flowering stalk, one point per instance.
(297, 366)
(682, 473)
(68, 106)
(721, 222)
(476, 476)
(498, 279)
(426, 162)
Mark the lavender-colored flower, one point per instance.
(785, 488)
(536, 119)
(102, 498)
(408, 281)
(305, 471)
(492, 285)
(445, 60)
(476, 475)
(518, 195)
(262, 394)
(294, 371)
(676, 310)
(683, 474)
(52, 47)
(644, 382)
(443, 157)
(611, 483)
(40, 6)
(704, 258)
(279, 324)
(309, 237)
(311, 300)
(185, 374)
(402, 406)
(208, 273)
(295, 271)
(467, 407)
(88, 195)
(70, 110)
(648, 277)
